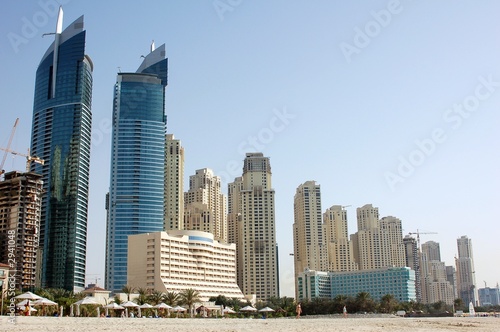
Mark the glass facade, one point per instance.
(61, 132)
(136, 195)
(398, 281)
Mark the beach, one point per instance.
(308, 324)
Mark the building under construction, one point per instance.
(20, 213)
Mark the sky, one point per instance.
(390, 103)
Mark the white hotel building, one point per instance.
(180, 259)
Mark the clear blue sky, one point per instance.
(383, 102)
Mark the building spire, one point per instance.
(59, 20)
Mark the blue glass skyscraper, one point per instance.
(61, 137)
(136, 194)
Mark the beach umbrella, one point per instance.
(44, 302)
(113, 306)
(266, 310)
(248, 308)
(28, 296)
(177, 309)
(129, 304)
(228, 310)
(88, 300)
(162, 306)
(144, 306)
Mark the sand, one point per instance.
(307, 324)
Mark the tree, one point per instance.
(171, 298)
(388, 304)
(127, 289)
(143, 296)
(156, 297)
(190, 297)
(364, 302)
(459, 304)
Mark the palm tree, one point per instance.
(171, 298)
(219, 300)
(156, 297)
(365, 302)
(190, 297)
(127, 289)
(143, 296)
(388, 303)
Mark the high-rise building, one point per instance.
(391, 231)
(135, 203)
(339, 247)
(451, 277)
(366, 241)
(309, 249)
(256, 248)
(20, 212)
(234, 213)
(60, 136)
(174, 184)
(205, 205)
(466, 278)
(413, 262)
(431, 250)
(434, 282)
(378, 243)
(489, 296)
(177, 260)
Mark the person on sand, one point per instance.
(345, 312)
(298, 310)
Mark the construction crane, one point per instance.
(29, 158)
(418, 236)
(8, 146)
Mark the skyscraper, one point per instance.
(466, 278)
(339, 247)
(205, 205)
(174, 184)
(309, 250)
(366, 241)
(412, 253)
(257, 264)
(435, 285)
(60, 135)
(135, 203)
(378, 243)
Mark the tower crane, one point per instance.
(418, 236)
(8, 146)
(29, 158)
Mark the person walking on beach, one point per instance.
(345, 312)
(298, 310)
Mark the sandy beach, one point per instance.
(487, 324)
